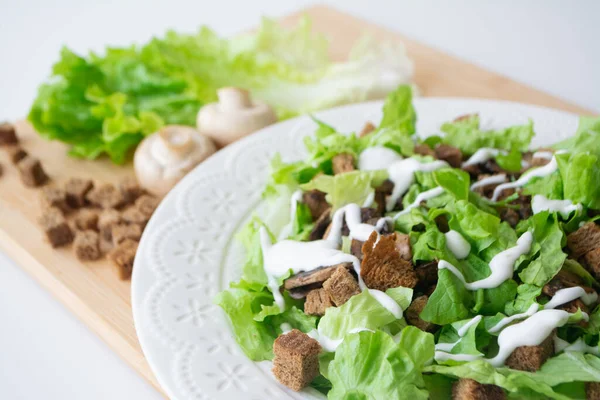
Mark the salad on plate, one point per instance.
(463, 265)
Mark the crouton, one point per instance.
(403, 246)
(296, 361)
(591, 260)
(86, 219)
(468, 389)
(57, 230)
(427, 274)
(1, 170)
(316, 276)
(317, 301)
(77, 189)
(367, 128)
(584, 239)
(321, 225)
(341, 285)
(121, 232)
(531, 358)
(356, 248)
(563, 279)
(147, 204)
(342, 163)
(592, 390)
(8, 134)
(315, 200)
(86, 245)
(382, 267)
(133, 215)
(105, 196)
(106, 221)
(54, 197)
(509, 215)
(31, 172)
(122, 258)
(452, 155)
(130, 190)
(413, 313)
(16, 153)
(424, 150)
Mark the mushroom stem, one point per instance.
(231, 98)
(175, 139)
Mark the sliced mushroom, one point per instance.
(315, 277)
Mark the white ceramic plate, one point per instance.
(187, 254)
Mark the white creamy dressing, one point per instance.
(445, 347)
(386, 302)
(541, 203)
(490, 180)
(442, 348)
(502, 265)
(540, 172)
(546, 155)
(457, 244)
(369, 200)
(482, 155)
(358, 230)
(530, 332)
(578, 345)
(329, 344)
(294, 200)
(400, 171)
(421, 197)
(507, 320)
(563, 296)
(285, 327)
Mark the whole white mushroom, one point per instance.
(166, 156)
(234, 116)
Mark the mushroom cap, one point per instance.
(163, 158)
(234, 116)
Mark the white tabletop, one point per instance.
(45, 352)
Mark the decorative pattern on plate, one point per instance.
(188, 254)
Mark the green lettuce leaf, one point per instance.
(450, 301)
(580, 173)
(350, 187)
(362, 311)
(550, 186)
(585, 138)
(371, 366)
(398, 112)
(467, 136)
(526, 296)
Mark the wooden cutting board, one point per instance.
(92, 290)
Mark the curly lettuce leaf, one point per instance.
(370, 365)
(399, 112)
(467, 135)
(586, 138)
(450, 301)
(580, 173)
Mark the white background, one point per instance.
(45, 353)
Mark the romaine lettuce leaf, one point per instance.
(580, 173)
(467, 136)
(398, 111)
(450, 301)
(586, 138)
(370, 365)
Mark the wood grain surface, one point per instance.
(92, 290)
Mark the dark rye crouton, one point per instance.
(77, 189)
(296, 361)
(468, 389)
(320, 225)
(592, 390)
(427, 274)
(105, 196)
(86, 219)
(452, 155)
(317, 301)
(584, 239)
(315, 277)
(424, 150)
(122, 258)
(16, 153)
(86, 245)
(147, 204)
(130, 190)
(591, 259)
(31, 172)
(54, 197)
(55, 227)
(531, 358)
(367, 128)
(122, 232)
(133, 215)
(8, 134)
(340, 286)
(414, 310)
(315, 200)
(342, 163)
(106, 221)
(382, 267)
